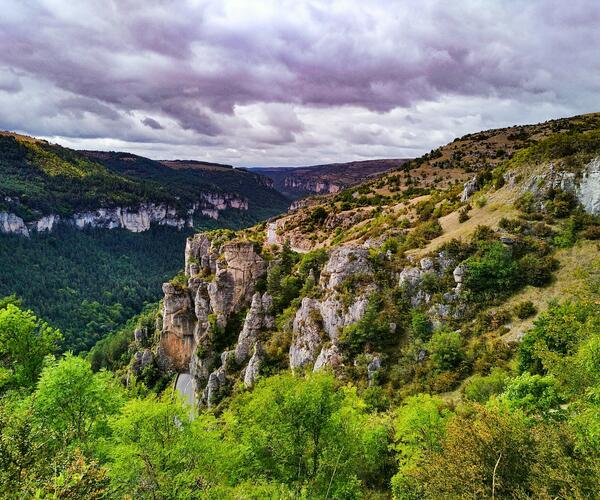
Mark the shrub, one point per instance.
(525, 309)
(445, 349)
(421, 326)
(463, 215)
(534, 394)
(480, 388)
(493, 270)
(537, 271)
(557, 330)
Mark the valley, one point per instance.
(418, 331)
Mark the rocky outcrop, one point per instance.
(470, 188)
(343, 263)
(237, 273)
(252, 370)
(12, 224)
(588, 189)
(257, 320)
(135, 219)
(221, 282)
(179, 322)
(307, 337)
(329, 357)
(584, 185)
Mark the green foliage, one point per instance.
(446, 349)
(419, 429)
(534, 394)
(89, 283)
(72, 403)
(25, 341)
(493, 270)
(480, 388)
(308, 434)
(421, 326)
(371, 330)
(157, 451)
(557, 330)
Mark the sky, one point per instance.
(279, 83)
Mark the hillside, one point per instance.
(442, 289)
(45, 184)
(432, 333)
(298, 182)
(89, 281)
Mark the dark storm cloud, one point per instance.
(152, 123)
(247, 74)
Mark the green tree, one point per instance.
(72, 402)
(307, 433)
(445, 349)
(25, 341)
(534, 394)
(158, 451)
(419, 429)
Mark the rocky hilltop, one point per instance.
(374, 282)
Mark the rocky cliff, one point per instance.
(409, 290)
(134, 219)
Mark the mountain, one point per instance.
(46, 184)
(298, 182)
(432, 333)
(56, 205)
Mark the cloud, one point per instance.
(287, 81)
(152, 123)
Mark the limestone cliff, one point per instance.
(135, 219)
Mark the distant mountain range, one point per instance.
(298, 182)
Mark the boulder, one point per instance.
(470, 188)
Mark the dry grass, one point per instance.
(568, 284)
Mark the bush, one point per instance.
(493, 270)
(557, 330)
(421, 326)
(525, 309)
(480, 388)
(534, 394)
(537, 271)
(463, 215)
(445, 349)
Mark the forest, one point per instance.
(529, 432)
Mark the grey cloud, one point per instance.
(152, 123)
(200, 66)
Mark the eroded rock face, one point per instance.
(197, 253)
(237, 273)
(12, 224)
(328, 357)
(343, 263)
(588, 190)
(258, 319)
(179, 322)
(253, 369)
(470, 188)
(307, 336)
(135, 219)
(585, 185)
